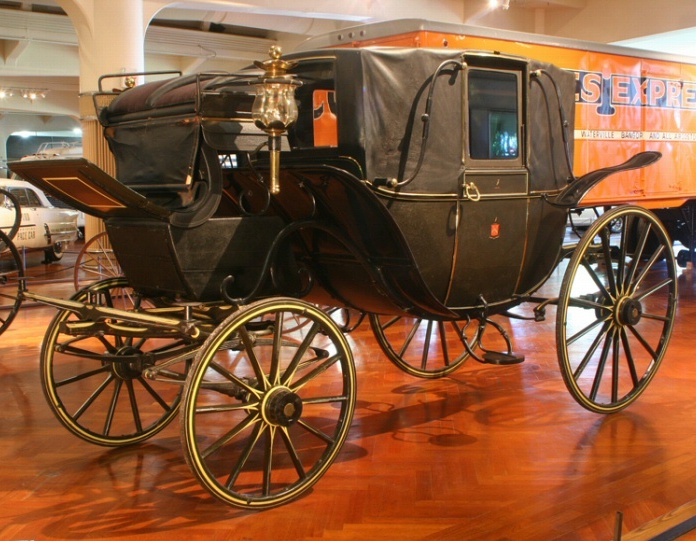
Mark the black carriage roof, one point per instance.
(380, 97)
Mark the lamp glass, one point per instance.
(274, 107)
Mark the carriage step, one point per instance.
(499, 358)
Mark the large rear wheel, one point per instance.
(424, 348)
(616, 309)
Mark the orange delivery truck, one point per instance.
(626, 101)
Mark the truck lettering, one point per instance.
(656, 91)
(26, 234)
(689, 91)
(620, 90)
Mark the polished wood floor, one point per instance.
(489, 453)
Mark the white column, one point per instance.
(111, 38)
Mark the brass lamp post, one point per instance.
(275, 108)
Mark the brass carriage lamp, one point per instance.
(275, 108)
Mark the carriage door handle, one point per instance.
(472, 191)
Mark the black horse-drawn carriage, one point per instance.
(426, 188)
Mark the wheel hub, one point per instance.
(629, 312)
(282, 407)
(126, 369)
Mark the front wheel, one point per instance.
(268, 403)
(616, 309)
(93, 372)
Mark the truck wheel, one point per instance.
(54, 253)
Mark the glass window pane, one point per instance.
(33, 199)
(493, 115)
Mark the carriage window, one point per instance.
(317, 125)
(493, 115)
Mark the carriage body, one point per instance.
(474, 226)
(428, 188)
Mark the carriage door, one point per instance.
(492, 227)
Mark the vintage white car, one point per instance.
(42, 226)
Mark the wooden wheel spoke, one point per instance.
(304, 346)
(69, 347)
(154, 394)
(459, 332)
(84, 375)
(317, 432)
(595, 278)
(606, 251)
(134, 406)
(268, 460)
(95, 394)
(657, 287)
(634, 283)
(615, 367)
(253, 361)
(320, 369)
(180, 346)
(390, 322)
(443, 342)
(112, 407)
(426, 345)
(110, 348)
(234, 379)
(581, 302)
(274, 372)
(249, 420)
(600, 368)
(325, 399)
(292, 452)
(643, 342)
(585, 330)
(630, 361)
(655, 317)
(409, 337)
(590, 352)
(246, 453)
(642, 242)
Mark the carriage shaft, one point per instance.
(95, 312)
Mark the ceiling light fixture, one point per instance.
(495, 4)
(30, 94)
(33, 94)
